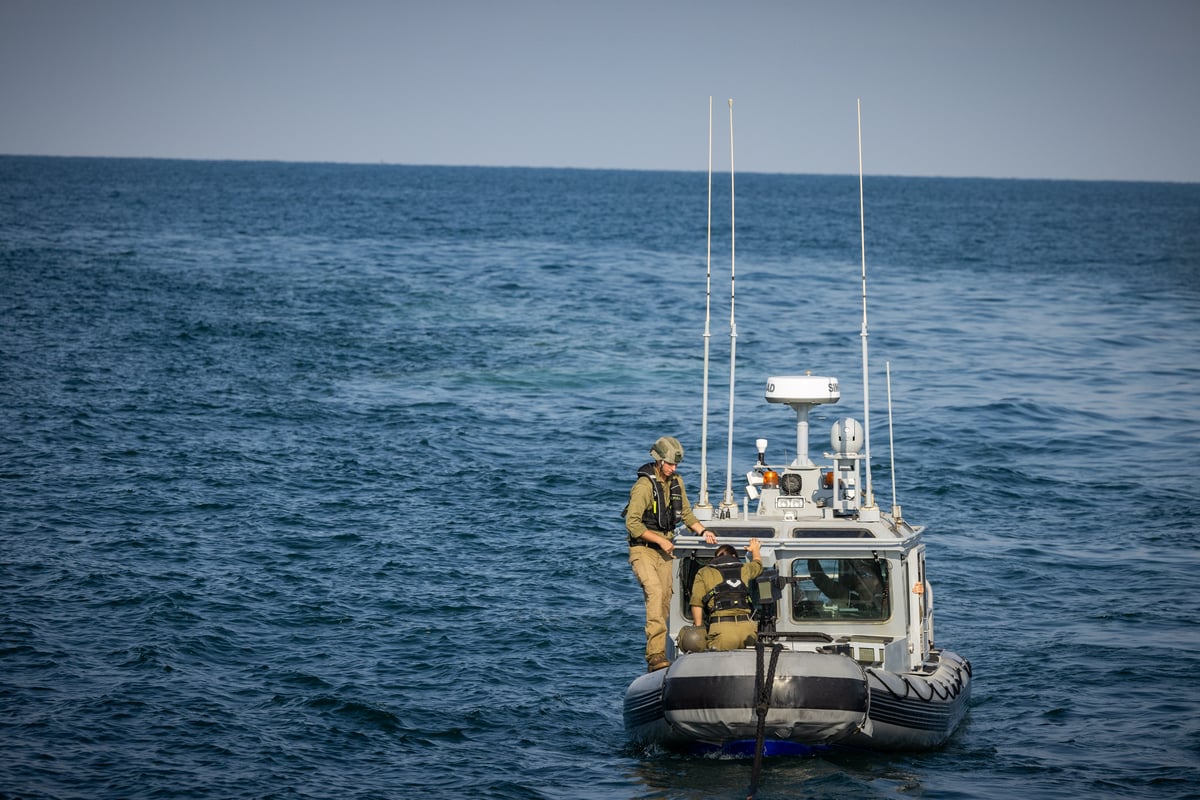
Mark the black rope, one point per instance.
(762, 703)
(947, 692)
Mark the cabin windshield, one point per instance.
(840, 588)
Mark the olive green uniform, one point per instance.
(649, 563)
(732, 628)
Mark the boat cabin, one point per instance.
(839, 576)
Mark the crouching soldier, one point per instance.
(722, 592)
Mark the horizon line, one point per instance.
(382, 163)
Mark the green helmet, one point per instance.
(693, 639)
(668, 449)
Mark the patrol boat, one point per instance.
(845, 652)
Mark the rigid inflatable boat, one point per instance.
(846, 652)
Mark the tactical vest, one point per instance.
(663, 514)
(731, 592)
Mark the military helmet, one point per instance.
(668, 449)
(693, 639)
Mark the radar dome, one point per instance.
(846, 437)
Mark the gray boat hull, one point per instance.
(706, 700)
(917, 711)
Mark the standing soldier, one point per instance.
(657, 504)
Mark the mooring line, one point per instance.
(762, 696)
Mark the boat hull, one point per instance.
(707, 700)
(916, 711)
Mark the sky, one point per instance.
(1076, 89)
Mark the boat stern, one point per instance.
(815, 699)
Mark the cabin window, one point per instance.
(840, 588)
(688, 567)
(841, 533)
(747, 533)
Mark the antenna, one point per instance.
(862, 226)
(707, 335)
(727, 504)
(896, 518)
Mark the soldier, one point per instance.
(657, 504)
(722, 589)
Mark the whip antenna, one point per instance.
(727, 504)
(862, 227)
(896, 519)
(707, 335)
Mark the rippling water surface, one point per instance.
(311, 473)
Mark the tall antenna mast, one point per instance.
(727, 504)
(896, 518)
(862, 227)
(707, 335)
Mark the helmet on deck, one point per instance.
(693, 639)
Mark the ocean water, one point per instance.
(311, 474)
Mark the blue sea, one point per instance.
(311, 473)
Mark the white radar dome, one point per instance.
(846, 437)
(803, 389)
